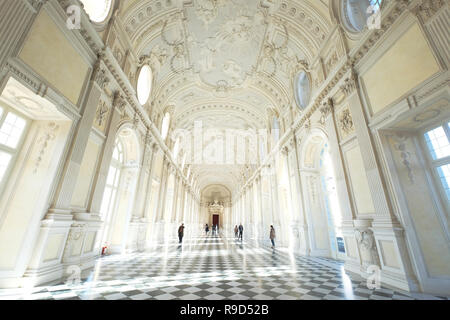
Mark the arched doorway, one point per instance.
(216, 208)
(321, 203)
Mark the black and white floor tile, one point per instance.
(214, 268)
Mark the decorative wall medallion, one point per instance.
(49, 134)
(399, 143)
(101, 115)
(346, 122)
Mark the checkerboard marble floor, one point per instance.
(214, 268)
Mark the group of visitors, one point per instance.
(215, 229)
(238, 232)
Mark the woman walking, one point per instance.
(272, 236)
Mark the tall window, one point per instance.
(12, 128)
(356, 13)
(112, 187)
(438, 142)
(331, 200)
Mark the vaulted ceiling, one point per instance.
(227, 63)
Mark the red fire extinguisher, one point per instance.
(104, 250)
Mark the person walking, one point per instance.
(241, 230)
(181, 233)
(236, 230)
(272, 236)
(207, 229)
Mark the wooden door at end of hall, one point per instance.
(215, 219)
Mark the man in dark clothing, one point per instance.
(181, 232)
(241, 229)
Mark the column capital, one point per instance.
(99, 75)
(350, 84)
(326, 108)
(427, 9)
(119, 101)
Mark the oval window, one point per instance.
(302, 89)
(144, 84)
(97, 10)
(358, 12)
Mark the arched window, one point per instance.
(98, 10)
(356, 13)
(112, 187)
(165, 126)
(144, 84)
(302, 89)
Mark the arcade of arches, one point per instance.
(121, 120)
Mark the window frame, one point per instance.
(139, 74)
(118, 165)
(434, 164)
(100, 26)
(296, 89)
(345, 20)
(326, 171)
(14, 152)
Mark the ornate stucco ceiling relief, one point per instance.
(224, 41)
(228, 64)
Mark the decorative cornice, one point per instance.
(427, 9)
